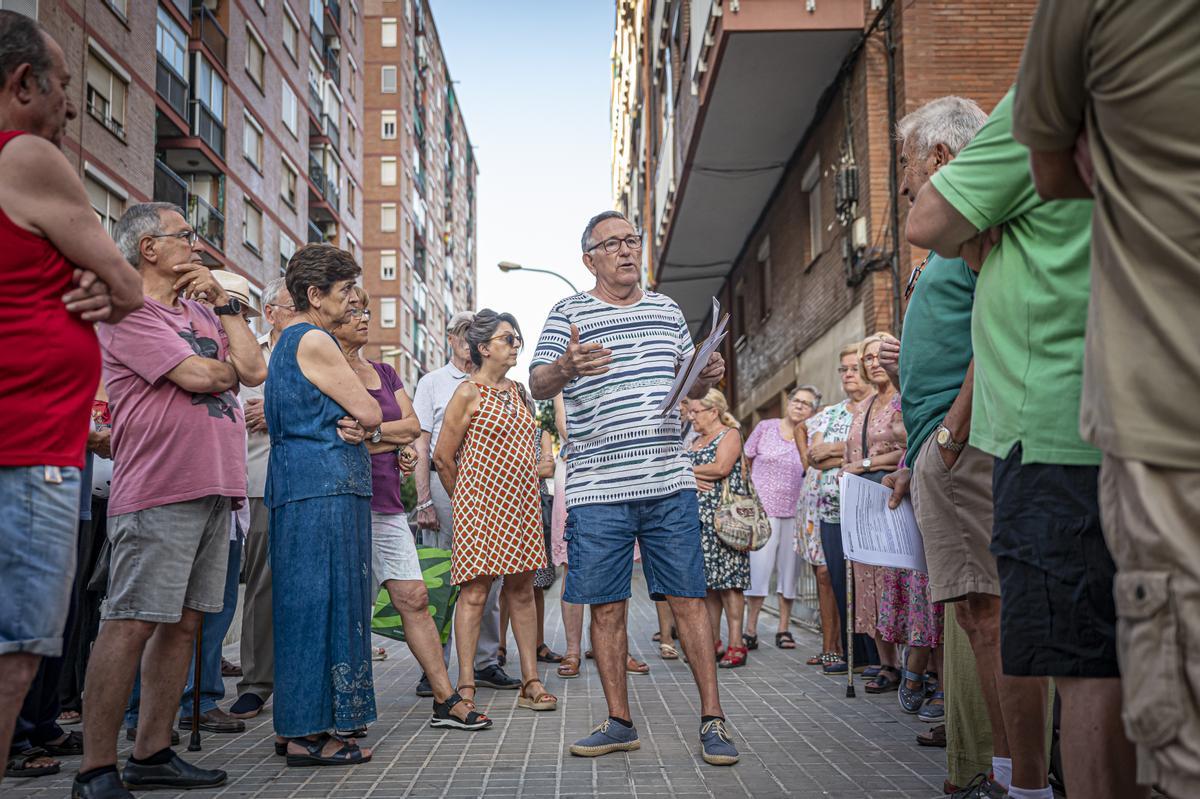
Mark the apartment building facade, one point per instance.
(753, 144)
(419, 190)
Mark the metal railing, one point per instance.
(207, 221)
(100, 109)
(335, 10)
(326, 187)
(315, 236)
(330, 126)
(314, 100)
(168, 186)
(206, 28)
(332, 66)
(171, 87)
(206, 125)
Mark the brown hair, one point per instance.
(318, 266)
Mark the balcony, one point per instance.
(334, 9)
(171, 87)
(314, 101)
(206, 125)
(210, 33)
(169, 187)
(316, 35)
(99, 109)
(330, 126)
(332, 66)
(207, 221)
(327, 189)
(315, 236)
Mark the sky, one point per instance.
(533, 79)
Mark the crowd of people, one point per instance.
(165, 454)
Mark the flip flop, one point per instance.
(668, 652)
(18, 765)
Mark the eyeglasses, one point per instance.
(845, 370)
(610, 246)
(870, 359)
(806, 403)
(912, 279)
(364, 313)
(190, 235)
(511, 339)
(280, 305)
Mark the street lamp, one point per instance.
(509, 266)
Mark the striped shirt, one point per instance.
(621, 448)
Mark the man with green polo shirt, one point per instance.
(1058, 618)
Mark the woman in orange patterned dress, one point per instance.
(486, 461)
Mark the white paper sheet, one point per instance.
(693, 365)
(873, 533)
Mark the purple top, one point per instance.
(776, 471)
(385, 467)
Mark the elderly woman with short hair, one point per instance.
(486, 460)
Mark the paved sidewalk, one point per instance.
(798, 734)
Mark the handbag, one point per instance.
(739, 521)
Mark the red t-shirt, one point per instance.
(49, 358)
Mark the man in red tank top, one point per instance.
(59, 272)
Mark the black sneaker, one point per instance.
(494, 677)
(177, 774)
(423, 687)
(106, 786)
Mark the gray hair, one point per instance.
(139, 221)
(811, 389)
(951, 121)
(483, 328)
(585, 242)
(458, 324)
(273, 291)
(23, 41)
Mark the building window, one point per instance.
(387, 265)
(352, 246)
(389, 31)
(387, 218)
(106, 90)
(172, 43)
(387, 80)
(387, 311)
(119, 7)
(107, 204)
(351, 196)
(287, 248)
(352, 78)
(354, 15)
(811, 185)
(210, 90)
(252, 141)
(252, 225)
(256, 53)
(387, 171)
(351, 135)
(289, 181)
(388, 125)
(290, 110)
(291, 33)
(764, 278)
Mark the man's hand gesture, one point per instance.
(196, 282)
(584, 360)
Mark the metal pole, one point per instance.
(194, 740)
(548, 272)
(849, 629)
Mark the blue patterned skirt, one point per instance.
(321, 598)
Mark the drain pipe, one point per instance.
(889, 42)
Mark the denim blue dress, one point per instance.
(319, 496)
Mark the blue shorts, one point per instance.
(39, 522)
(600, 549)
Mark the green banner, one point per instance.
(435, 569)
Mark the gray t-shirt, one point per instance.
(433, 394)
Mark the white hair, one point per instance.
(950, 121)
(274, 290)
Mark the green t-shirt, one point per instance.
(935, 346)
(1031, 300)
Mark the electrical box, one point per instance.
(858, 233)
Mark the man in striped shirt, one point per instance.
(614, 352)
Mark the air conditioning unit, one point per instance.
(335, 44)
(330, 230)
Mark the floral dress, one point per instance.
(820, 496)
(724, 567)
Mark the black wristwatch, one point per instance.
(232, 308)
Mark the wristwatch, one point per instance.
(232, 308)
(945, 439)
(377, 436)
(866, 463)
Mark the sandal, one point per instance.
(378, 653)
(69, 746)
(835, 666)
(281, 747)
(501, 655)
(442, 717)
(784, 640)
(348, 755)
(635, 666)
(656, 638)
(458, 689)
(569, 667)
(750, 641)
(547, 655)
(668, 652)
(934, 709)
(816, 660)
(884, 682)
(19, 765)
(911, 699)
(735, 656)
(68, 717)
(542, 701)
(934, 736)
(589, 654)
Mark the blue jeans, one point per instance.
(600, 549)
(213, 630)
(39, 516)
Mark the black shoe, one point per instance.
(247, 706)
(494, 677)
(131, 735)
(177, 773)
(106, 786)
(424, 688)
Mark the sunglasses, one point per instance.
(511, 339)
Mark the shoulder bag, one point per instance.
(740, 521)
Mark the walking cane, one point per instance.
(850, 629)
(194, 740)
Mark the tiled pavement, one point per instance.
(798, 734)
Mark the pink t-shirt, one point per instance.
(169, 445)
(777, 472)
